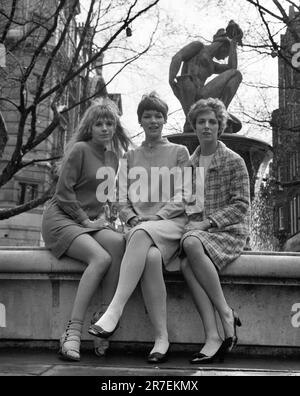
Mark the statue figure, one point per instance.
(197, 61)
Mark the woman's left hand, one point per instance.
(197, 225)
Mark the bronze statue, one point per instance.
(197, 61)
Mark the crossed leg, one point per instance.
(86, 249)
(155, 299)
(206, 310)
(141, 260)
(206, 288)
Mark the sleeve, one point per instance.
(238, 207)
(127, 211)
(69, 175)
(176, 206)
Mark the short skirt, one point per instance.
(166, 235)
(222, 247)
(59, 230)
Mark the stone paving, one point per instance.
(18, 362)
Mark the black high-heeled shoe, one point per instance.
(157, 357)
(97, 331)
(231, 342)
(201, 358)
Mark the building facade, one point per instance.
(33, 180)
(286, 141)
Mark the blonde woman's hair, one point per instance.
(99, 109)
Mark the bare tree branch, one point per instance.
(40, 73)
(7, 213)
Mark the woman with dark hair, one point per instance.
(217, 226)
(156, 227)
(73, 222)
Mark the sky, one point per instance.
(180, 23)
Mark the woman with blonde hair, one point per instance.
(73, 222)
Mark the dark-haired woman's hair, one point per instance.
(152, 102)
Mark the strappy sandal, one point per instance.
(70, 341)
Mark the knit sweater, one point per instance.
(77, 185)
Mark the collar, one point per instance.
(155, 143)
(217, 159)
(99, 150)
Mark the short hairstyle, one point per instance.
(210, 104)
(152, 102)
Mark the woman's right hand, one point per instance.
(97, 224)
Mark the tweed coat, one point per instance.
(226, 202)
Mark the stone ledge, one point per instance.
(250, 264)
(37, 292)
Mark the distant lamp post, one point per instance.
(2, 55)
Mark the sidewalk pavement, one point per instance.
(38, 362)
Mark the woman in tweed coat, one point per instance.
(218, 225)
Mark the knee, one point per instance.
(101, 263)
(118, 244)
(184, 266)
(139, 235)
(237, 75)
(153, 256)
(190, 244)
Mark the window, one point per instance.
(281, 174)
(293, 166)
(298, 212)
(27, 192)
(279, 138)
(34, 82)
(293, 216)
(281, 218)
(2, 55)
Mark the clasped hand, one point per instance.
(97, 224)
(140, 219)
(197, 225)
